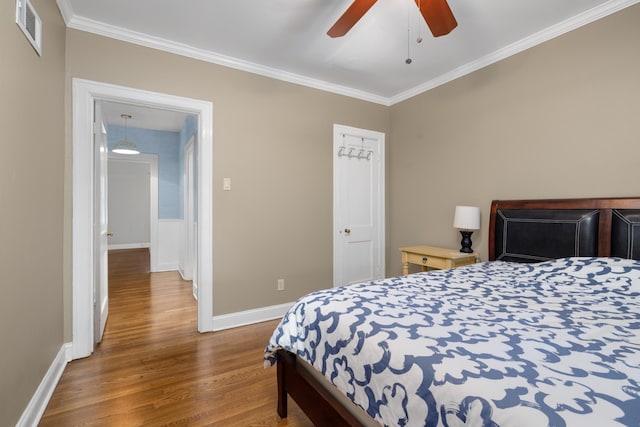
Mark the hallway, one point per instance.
(154, 368)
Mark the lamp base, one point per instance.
(466, 242)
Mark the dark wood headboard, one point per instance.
(538, 230)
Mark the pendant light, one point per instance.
(125, 146)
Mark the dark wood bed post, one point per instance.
(282, 391)
(492, 230)
(604, 232)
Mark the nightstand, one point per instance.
(435, 258)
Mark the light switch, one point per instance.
(226, 184)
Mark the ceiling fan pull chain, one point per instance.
(419, 39)
(408, 60)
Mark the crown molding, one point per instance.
(65, 10)
(118, 33)
(122, 34)
(540, 37)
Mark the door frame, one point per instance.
(84, 94)
(338, 131)
(152, 161)
(188, 205)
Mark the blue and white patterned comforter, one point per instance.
(492, 344)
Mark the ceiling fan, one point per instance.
(436, 13)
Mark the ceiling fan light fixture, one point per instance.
(125, 146)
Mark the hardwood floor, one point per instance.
(154, 368)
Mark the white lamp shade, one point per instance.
(467, 218)
(126, 147)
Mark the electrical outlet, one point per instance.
(281, 284)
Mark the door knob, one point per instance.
(109, 233)
(347, 231)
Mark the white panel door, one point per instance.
(100, 228)
(358, 192)
(129, 202)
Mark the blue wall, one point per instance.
(169, 146)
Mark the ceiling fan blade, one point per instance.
(438, 15)
(349, 18)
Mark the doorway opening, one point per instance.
(133, 203)
(85, 95)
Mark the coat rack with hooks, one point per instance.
(354, 153)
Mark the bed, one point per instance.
(545, 333)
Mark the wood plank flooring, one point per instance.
(154, 368)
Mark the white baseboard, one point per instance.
(182, 272)
(194, 286)
(128, 246)
(242, 318)
(167, 266)
(38, 403)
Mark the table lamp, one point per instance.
(466, 219)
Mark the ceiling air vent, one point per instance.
(30, 23)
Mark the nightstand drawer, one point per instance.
(432, 257)
(430, 261)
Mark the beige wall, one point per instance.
(274, 140)
(559, 120)
(31, 212)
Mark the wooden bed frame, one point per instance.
(612, 229)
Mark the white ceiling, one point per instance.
(286, 39)
(142, 117)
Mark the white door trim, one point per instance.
(152, 161)
(338, 131)
(84, 94)
(186, 262)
